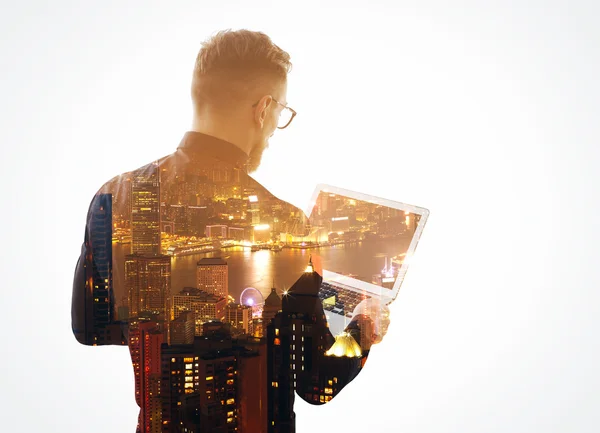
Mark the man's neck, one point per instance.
(222, 129)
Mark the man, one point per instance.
(202, 362)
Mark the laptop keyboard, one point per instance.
(344, 301)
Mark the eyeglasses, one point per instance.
(285, 117)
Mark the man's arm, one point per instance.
(92, 308)
(78, 307)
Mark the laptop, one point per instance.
(365, 244)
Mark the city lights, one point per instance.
(186, 251)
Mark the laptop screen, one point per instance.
(364, 242)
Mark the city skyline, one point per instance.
(210, 351)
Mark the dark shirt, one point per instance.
(202, 362)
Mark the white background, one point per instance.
(486, 114)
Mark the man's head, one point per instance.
(239, 90)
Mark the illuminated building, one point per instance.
(258, 327)
(151, 339)
(99, 297)
(239, 317)
(216, 231)
(212, 276)
(197, 218)
(237, 233)
(145, 211)
(205, 306)
(387, 277)
(179, 377)
(301, 354)
(346, 346)
(179, 216)
(144, 345)
(297, 339)
(183, 328)
(272, 306)
(148, 283)
(342, 363)
(202, 384)
(261, 233)
(253, 209)
(340, 224)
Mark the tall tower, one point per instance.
(145, 210)
(212, 276)
(272, 306)
(148, 284)
(99, 301)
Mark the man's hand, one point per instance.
(377, 313)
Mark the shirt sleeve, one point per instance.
(93, 315)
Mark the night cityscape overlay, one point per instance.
(210, 281)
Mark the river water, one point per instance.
(261, 269)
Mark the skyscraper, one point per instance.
(272, 306)
(99, 297)
(148, 284)
(203, 305)
(145, 211)
(239, 317)
(183, 328)
(212, 276)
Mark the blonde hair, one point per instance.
(231, 65)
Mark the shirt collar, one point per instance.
(214, 147)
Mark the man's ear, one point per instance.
(260, 112)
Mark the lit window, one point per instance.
(276, 331)
(277, 342)
(230, 400)
(330, 382)
(209, 377)
(328, 391)
(275, 384)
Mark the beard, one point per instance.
(255, 156)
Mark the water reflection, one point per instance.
(261, 269)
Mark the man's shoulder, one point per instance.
(264, 194)
(118, 182)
